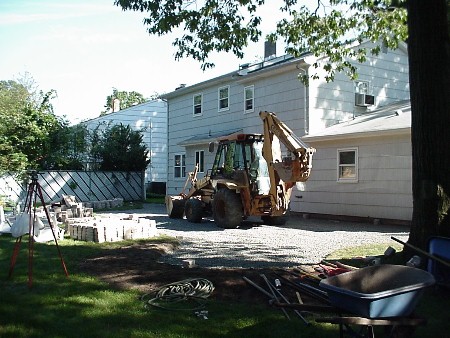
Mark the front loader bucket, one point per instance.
(175, 206)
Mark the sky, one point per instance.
(85, 48)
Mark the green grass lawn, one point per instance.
(83, 306)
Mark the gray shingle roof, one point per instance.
(392, 118)
(206, 138)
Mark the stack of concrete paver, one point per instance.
(111, 228)
(105, 204)
(70, 208)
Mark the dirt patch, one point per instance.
(137, 267)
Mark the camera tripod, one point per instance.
(34, 192)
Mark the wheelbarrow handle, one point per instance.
(433, 257)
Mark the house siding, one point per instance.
(281, 93)
(151, 119)
(333, 102)
(383, 189)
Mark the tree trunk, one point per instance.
(429, 64)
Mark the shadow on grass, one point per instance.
(83, 306)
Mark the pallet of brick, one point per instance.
(148, 228)
(99, 234)
(115, 203)
(151, 228)
(129, 231)
(83, 232)
(111, 229)
(70, 229)
(73, 231)
(79, 232)
(89, 234)
(88, 212)
(85, 220)
(111, 233)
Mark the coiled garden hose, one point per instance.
(188, 294)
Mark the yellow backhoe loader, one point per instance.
(252, 175)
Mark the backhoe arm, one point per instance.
(293, 170)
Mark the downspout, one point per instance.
(167, 142)
(305, 99)
(306, 103)
(152, 168)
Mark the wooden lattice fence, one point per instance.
(84, 185)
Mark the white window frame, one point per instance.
(181, 166)
(200, 159)
(362, 87)
(194, 105)
(341, 178)
(252, 89)
(227, 98)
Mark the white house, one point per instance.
(199, 113)
(150, 118)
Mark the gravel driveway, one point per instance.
(300, 241)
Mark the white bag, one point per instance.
(21, 225)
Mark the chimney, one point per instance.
(270, 49)
(115, 105)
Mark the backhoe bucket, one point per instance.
(294, 170)
(175, 206)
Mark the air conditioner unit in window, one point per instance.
(364, 100)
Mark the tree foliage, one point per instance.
(125, 100)
(32, 137)
(66, 148)
(119, 147)
(13, 97)
(327, 29)
(27, 123)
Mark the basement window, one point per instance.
(347, 165)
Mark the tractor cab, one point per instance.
(239, 159)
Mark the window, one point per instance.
(179, 165)
(249, 98)
(200, 160)
(224, 93)
(362, 87)
(197, 104)
(348, 165)
(363, 98)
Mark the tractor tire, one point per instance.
(193, 210)
(175, 206)
(227, 209)
(274, 220)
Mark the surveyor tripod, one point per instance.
(33, 194)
